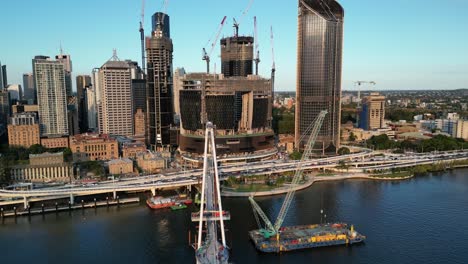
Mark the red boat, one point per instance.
(159, 202)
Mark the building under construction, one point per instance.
(236, 101)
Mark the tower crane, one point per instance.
(206, 55)
(142, 36)
(274, 229)
(256, 50)
(273, 65)
(236, 24)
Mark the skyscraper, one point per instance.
(82, 83)
(91, 109)
(16, 92)
(29, 91)
(49, 80)
(237, 56)
(319, 63)
(159, 82)
(3, 76)
(67, 64)
(116, 109)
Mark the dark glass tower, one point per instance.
(159, 83)
(319, 63)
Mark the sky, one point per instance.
(399, 44)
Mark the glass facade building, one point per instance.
(319, 63)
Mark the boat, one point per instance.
(306, 236)
(179, 206)
(160, 202)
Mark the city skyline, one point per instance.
(399, 51)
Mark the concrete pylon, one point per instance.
(26, 203)
(72, 199)
(114, 193)
(153, 191)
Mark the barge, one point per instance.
(304, 237)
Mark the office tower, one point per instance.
(29, 91)
(72, 113)
(139, 132)
(4, 109)
(82, 83)
(49, 80)
(237, 56)
(66, 61)
(319, 63)
(159, 83)
(116, 109)
(91, 109)
(3, 76)
(373, 112)
(16, 93)
(24, 130)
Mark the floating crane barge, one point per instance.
(271, 238)
(306, 236)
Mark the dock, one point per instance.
(62, 208)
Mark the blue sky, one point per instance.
(400, 44)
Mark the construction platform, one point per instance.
(307, 236)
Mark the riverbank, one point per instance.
(310, 181)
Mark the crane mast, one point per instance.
(236, 23)
(257, 51)
(206, 55)
(273, 66)
(142, 36)
(270, 229)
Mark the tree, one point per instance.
(5, 176)
(67, 155)
(37, 149)
(296, 155)
(344, 151)
(352, 137)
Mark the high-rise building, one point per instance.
(159, 82)
(140, 126)
(82, 83)
(67, 64)
(3, 76)
(16, 93)
(462, 129)
(116, 107)
(72, 113)
(23, 130)
(373, 112)
(29, 91)
(237, 56)
(4, 109)
(91, 109)
(49, 80)
(319, 64)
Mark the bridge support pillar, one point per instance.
(72, 199)
(153, 191)
(114, 193)
(189, 188)
(26, 202)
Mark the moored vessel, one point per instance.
(307, 236)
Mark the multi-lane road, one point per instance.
(364, 160)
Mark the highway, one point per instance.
(364, 161)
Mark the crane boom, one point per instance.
(206, 55)
(317, 125)
(237, 23)
(270, 229)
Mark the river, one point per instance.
(421, 220)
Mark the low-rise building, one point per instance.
(462, 129)
(120, 166)
(92, 146)
(287, 142)
(55, 142)
(132, 149)
(23, 130)
(151, 163)
(44, 167)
